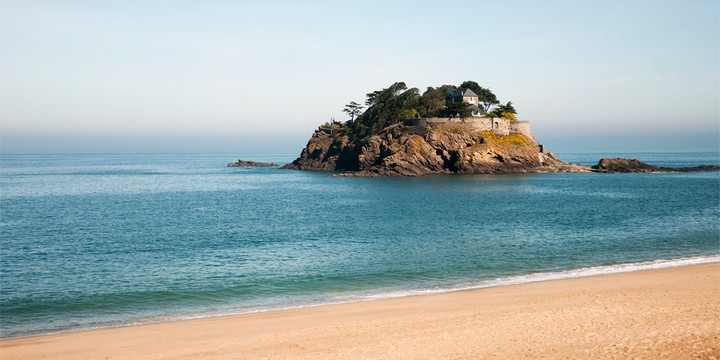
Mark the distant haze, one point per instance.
(231, 76)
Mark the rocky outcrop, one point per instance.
(620, 165)
(400, 150)
(248, 163)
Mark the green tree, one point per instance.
(434, 100)
(503, 108)
(469, 84)
(456, 109)
(353, 109)
(486, 99)
(410, 113)
(386, 107)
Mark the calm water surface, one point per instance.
(108, 240)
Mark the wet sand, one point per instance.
(659, 314)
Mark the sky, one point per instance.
(260, 76)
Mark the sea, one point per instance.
(100, 241)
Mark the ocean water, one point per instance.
(94, 241)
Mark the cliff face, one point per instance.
(400, 150)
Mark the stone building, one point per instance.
(470, 97)
(465, 94)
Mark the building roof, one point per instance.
(467, 92)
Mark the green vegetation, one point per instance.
(456, 109)
(434, 100)
(353, 109)
(385, 107)
(506, 111)
(397, 103)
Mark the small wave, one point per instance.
(343, 299)
(546, 276)
(505, 281)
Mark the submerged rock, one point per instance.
(248, 163)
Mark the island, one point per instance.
(446, 130)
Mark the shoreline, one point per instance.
(633, 308)
(350, 299)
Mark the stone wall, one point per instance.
(523, 127)
(497, 125)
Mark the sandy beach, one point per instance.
(659, 314)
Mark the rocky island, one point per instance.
(620, 165)
(401, 150)
(449, 129)
(446, 130)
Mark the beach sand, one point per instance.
(659, 314)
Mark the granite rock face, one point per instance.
(400, 150)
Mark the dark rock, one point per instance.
(400, 150)
(414, 151)
(247, 163)
(620, 165)
(615, 165)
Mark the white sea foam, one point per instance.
(546, 276)
(503, 281)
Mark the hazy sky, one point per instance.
(237, 76)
